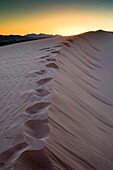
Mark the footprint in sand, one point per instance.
(43, 81)
(37, 128)
(40, 72)
(35, 73)
(45, 56)
(52, 65)
(66, 44)
(31, 74)
(42, 92)
(13, 153)
(51, 59)
(37, 107)
(55, 52)
(70, 40)
(34, 159)
(49, 50)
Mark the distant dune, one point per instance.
(57, 103)
(12, 39)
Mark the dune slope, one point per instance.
(81, 112)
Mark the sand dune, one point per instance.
(57, 104)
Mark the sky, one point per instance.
(64, 17)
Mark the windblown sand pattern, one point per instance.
(57, 104)
(25, 91)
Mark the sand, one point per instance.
(57, 104)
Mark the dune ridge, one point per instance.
(61, 115)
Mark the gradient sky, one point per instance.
(66, 17)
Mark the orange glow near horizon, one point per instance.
(66, 22)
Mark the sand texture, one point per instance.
(56, 104)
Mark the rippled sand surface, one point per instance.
(56, 104)
(25, 94)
